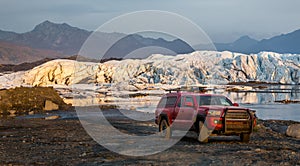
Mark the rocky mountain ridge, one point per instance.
(65, 40)
(284, 43)
(47, 35)
(68, 40)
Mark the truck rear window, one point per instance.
(167, 102)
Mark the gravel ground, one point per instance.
(37, 141)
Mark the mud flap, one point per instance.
(204, 133)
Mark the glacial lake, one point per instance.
(276, 111)
(263, 111)
(266, 101)
(263, 100)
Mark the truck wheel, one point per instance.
(165, 129)
(203, 133)
(245, 137)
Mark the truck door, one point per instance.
(185, 109)
(166, 106)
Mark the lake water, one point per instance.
(263, 100)
(263, 111)
(276, 111)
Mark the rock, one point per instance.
(293, 131)
(238, 88)
(279, 129)
(31, 113)
(83, 154)
(52, 117)
(12, 112)
(257, 150)
(50, 106)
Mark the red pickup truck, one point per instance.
(206, 114)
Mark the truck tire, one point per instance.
(245, 137)
(203, 133)
(165, 129)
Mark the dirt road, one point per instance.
(64, 141)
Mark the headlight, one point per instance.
(214, 113)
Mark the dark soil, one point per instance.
(253, 83)
(65, 142)
(23, 66)
(287, 101)
(30, 65)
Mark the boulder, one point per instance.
(50, 106)
(12, 112)
(279, 129)
(293, 131)
(52, 117)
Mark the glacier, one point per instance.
(200, 67)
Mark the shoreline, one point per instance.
(264, 111)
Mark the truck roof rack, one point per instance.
(196, 89)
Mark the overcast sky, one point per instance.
(222, 20)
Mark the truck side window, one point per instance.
(184, 100)
(167, 102)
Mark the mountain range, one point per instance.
(284, 43)
(52, 40)
(67, 40)
(62, 38)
